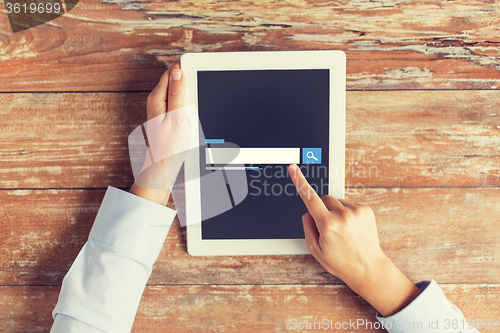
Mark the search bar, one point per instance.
(252, 155)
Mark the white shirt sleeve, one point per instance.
(431, 311)
(102, 290)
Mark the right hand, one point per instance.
(341, 235)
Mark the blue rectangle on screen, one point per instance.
(311, 155)
(214, 140)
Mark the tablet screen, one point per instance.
(276, 117)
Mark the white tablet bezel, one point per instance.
(191, 63)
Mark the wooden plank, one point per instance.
(271, 308)
(449, 234)
(393, 138)
(125, 46)
(45, 136)
(423, 138)
(241, 308)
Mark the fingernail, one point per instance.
(293, 166)
(175, 74)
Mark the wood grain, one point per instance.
(448, 234)
(242, 308)
(426, 161)
(45, 136)
(116, 45)
(393, 138)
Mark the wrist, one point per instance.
(385, 287)
(370, 274)
(160, 196)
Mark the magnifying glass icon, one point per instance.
(311, 155)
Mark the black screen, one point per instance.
(266, 109)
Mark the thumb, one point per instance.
(157, 99)
(176, 90)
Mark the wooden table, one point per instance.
(422, 149)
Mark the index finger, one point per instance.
(313, 202)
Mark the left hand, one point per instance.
(167, 136)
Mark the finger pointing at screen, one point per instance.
(343, 237)
(311, 199)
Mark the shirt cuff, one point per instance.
(104, 285)
(133, 225)
(430, 311)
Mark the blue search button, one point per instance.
(311, 155)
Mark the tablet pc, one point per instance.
(269, 109)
